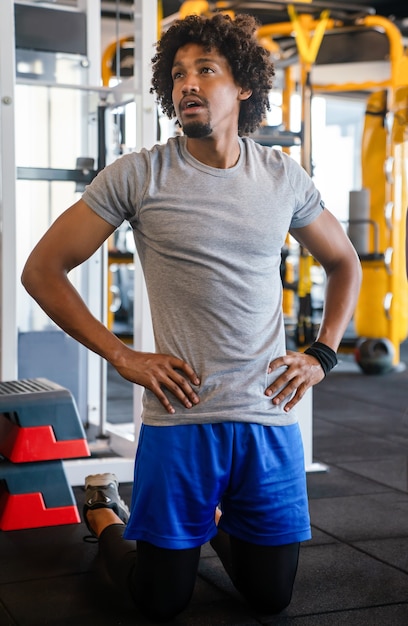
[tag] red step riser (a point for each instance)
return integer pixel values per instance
(22, 511)
(36, 443)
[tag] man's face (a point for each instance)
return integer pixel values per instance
(205, 96)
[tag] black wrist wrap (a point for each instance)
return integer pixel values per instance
(325, 355)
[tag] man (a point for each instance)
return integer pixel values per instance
(220, 456)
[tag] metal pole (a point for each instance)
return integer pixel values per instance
(306, 122)
(8, 230)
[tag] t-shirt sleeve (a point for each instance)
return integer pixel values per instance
(309, 203)
(115, 192)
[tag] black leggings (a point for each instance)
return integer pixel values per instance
(161, 581)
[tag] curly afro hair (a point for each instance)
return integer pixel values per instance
(235, 40)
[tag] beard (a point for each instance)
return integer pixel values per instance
(197, 130)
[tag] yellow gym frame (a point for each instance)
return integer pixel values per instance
(382, 308)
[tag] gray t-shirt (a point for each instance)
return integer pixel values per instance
(209, 242)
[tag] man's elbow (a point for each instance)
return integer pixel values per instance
(31, 278)
(25, 279)
(352, 275)
(347, 271)
(357, 270)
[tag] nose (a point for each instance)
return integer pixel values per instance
(190, 85)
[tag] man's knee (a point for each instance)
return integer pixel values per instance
(265, 575)
(163, 581)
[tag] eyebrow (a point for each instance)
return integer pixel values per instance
(197, 61)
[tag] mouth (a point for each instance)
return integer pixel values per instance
(190, 104)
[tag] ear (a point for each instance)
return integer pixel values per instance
(244, 94)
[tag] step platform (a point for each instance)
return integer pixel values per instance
(34, 495)
(39, 427)
(39, 421)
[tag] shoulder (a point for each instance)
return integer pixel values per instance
(156, 151)
(268, 155)
(251, 146)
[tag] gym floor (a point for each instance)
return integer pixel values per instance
(353, 572)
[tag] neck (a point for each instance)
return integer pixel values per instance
(222, 155)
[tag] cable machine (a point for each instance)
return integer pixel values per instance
(381, 316)
(54, 120)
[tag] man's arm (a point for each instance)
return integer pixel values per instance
(329, 245)
(70, 241)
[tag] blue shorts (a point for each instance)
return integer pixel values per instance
(255, 473)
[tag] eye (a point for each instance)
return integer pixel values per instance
(207, 70)
(177, 75)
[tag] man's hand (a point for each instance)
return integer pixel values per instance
(158, 371)
(302, 371)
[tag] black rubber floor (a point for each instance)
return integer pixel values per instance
(354, 572)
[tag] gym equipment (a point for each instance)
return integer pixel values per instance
(39, 421)
(359, 221)
(382, 308)
(378, 210)
(33, 495)
(374, 356)
(39, 426)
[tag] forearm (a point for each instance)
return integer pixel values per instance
(326, 241)
(342, 289)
